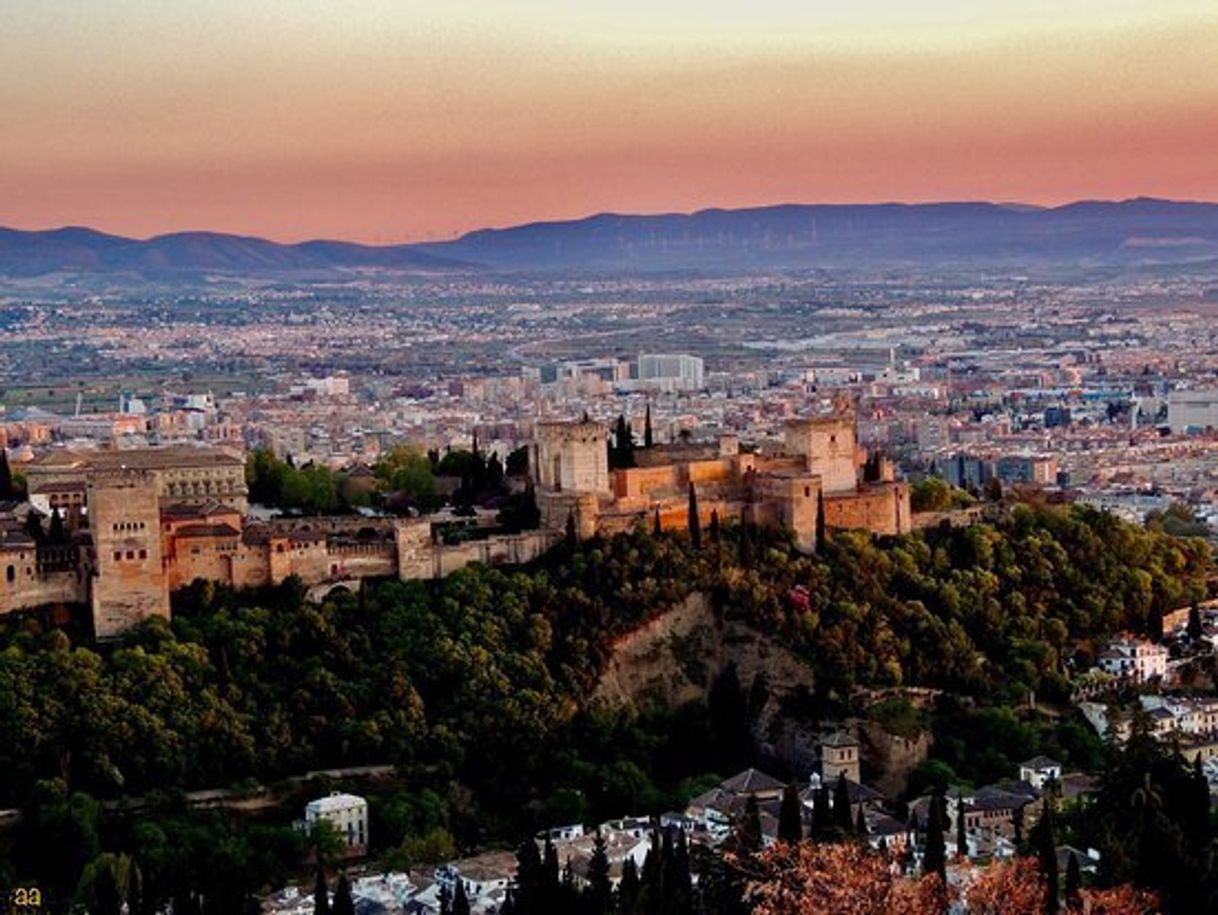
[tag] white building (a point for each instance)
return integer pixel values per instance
(1039, 771)
(347, 813)
(1192, 410)
(1135, 659)
(675, 370)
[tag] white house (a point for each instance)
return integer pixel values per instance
(1039, 771)
(347, 813)
(1133, 658)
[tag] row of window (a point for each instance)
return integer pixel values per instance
(129, 526)
(131, 554)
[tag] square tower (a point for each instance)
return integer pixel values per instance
(129, 581)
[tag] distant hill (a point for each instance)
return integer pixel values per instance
(80, 250)
(792, 236)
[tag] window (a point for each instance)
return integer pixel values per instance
(10, 574)
(130, 554)
(143, 554)
(118, 555)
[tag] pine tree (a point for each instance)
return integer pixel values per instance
(695, 524)
(321, 894)
(1074, 883)
(7, 490)
(648, 441)
(600, 887)
(790, 818)
(820, 521)
(843, 817)
(343, 903)
(460, 900)
(934, 858)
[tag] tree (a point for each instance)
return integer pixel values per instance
(822, 814)
(714, 526)
(7, 491)
(748, 830)
(571, 537)
(647, 437)
(57, 534)
(343, 903)
(961, 834)
(321, 893)
(655, 527)
(695, 523)
(790, 816)
(934, 857)
(1046, 856)
(820, 520)
(600, 887)
(628, 887)
(1074, 883)
(846, 878)
(460, 900)
(1194, 627)
(860, 824)
(843, 816)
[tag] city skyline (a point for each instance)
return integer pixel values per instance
(407, 122)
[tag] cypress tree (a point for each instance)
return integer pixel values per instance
(843, 819)
(33, 526)
(572, 539)
(790, 820)
(1074, 882)
(1046, 856)
(820, 521)
(695, 524)
(750, 826)
(714, 526)
(460, 900)
(628, 886)
(961, 834)
(446, 901)
(509, 903)
(549, 874)
(7, 490)
(600, 887)
(656, 528)
(321, 894)
(343, 903)
(528, 877)
(1194, 612)
(57, 534)
(648, 441)
(860, 824)
(822, 814)
(934, 857)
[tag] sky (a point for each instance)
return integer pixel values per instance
(386, 121)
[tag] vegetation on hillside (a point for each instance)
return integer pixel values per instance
(475, 686)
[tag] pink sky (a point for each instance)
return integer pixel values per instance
(395, 120)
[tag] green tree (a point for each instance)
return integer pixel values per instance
(934, 856)
(1074, 883)
(600, 888)
(460, 900)
(321, 893)
(8, 491)
(748, 830)
(647, 436)
(843, 814)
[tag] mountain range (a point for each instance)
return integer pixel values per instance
(789, 236)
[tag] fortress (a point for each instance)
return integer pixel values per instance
(141, 524)
(819, 467)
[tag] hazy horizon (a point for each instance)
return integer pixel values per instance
(387, 122)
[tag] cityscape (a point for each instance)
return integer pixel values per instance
(408, 541)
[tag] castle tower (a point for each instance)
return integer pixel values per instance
(839, 754)
(569, 462)
(129, 581)
(827, 444)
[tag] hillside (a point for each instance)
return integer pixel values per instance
(784, 237)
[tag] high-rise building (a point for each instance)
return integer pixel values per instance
(672, 370)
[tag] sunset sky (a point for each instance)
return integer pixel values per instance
(397, 120)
